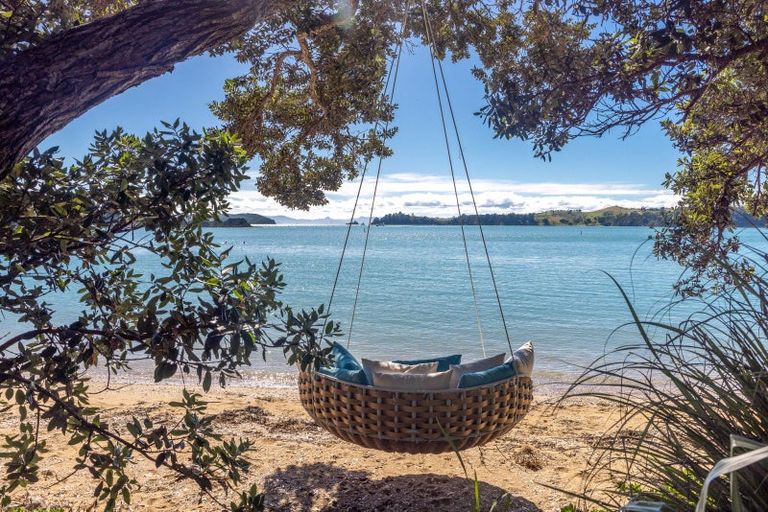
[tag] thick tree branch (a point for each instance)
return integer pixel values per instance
(46, 87)
(306, 57)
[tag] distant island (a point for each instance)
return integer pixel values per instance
(611, 216)
(239, 220)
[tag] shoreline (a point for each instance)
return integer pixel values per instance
(548, 385)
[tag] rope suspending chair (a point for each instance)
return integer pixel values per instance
(418, 421)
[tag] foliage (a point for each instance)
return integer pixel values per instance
(26, 23)
(251, 500)
(66, 229)
(683, 390)
(310, 106)
(571, 68)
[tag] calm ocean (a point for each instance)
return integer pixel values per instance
(416, 301)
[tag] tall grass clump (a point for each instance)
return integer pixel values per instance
(682, 390)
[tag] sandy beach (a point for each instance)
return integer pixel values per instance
(301, 467)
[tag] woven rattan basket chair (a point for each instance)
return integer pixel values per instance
(415, 422)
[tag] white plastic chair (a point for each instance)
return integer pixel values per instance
(756, 452)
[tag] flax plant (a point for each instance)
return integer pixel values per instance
(682, 390)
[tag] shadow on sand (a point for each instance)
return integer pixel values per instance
(324, 487)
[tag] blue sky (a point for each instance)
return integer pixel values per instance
(588, 173)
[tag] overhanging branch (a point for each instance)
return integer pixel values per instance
(46, 87)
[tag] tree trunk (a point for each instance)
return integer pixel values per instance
(46, 87)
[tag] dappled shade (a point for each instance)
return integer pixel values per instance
(330, 488)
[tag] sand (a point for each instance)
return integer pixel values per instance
(302, 467)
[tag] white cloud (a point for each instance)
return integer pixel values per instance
(434, 195)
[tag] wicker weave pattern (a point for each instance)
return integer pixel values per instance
(398, 421)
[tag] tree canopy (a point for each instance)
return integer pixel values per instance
(569, 68)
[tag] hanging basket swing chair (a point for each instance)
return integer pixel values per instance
(414, 421)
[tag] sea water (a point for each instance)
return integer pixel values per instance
(415, 296)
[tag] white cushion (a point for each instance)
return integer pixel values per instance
(522, 359)
(370, 366)
(413, 381)
(475, 366)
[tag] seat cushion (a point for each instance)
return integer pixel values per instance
(370, 366)
(343, 358)
(475, 366)
(345, 375)
(413, 381)
(519, 363)
(487, 376)
(522, 359)
(345, 367)
(443, 363)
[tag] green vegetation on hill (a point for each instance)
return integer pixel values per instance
(611, 216)
(403, 219)
(240, 220)
(253, 218)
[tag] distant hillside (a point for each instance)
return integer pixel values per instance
(507, 219)
(618, 216)
(238, 220)
(611, 216)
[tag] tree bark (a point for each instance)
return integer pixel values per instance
(44, 88)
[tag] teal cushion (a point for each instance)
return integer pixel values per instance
(344, 359)
(501, 372)
(351, 376)
(443, 363)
